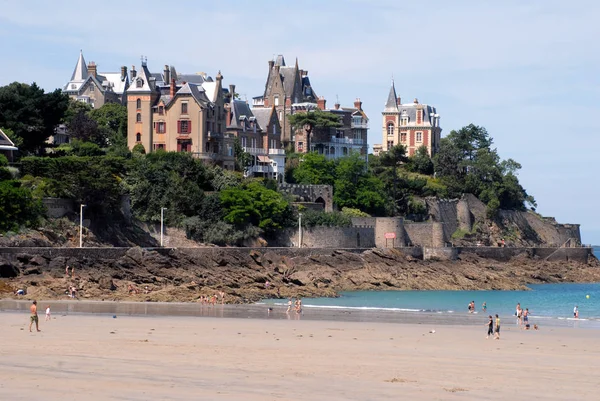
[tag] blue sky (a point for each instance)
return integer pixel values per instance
(527, 71)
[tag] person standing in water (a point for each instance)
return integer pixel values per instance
(576, 312)
(484, 308)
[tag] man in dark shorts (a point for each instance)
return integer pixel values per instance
(497, 332)
(490, 325)
(34, 316)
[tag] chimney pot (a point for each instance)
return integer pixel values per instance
(232, 91)
(133, 72)
(167, 75)
(271, 64)
(358, 104)
(123, 72)
(398, 101)
(321, 103)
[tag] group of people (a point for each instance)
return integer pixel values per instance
(522, 316)
(212, 299)
(296, 305)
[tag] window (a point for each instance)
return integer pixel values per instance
(184, 108)
(403, 137)
(276, 100)
(390, 128)
(244, 141)
(138, 118)
(300, 146)
(159, 146)
(138, 137)
(390, 145)
(419, 137)
(254, 142)
(273, 144)
(161, 127)
(185, 127)
(139, 83)
(274, 129)
(161, 110)
(73, 86)
(280, 116)
(405, 121)
(92, 88)
(138, 104)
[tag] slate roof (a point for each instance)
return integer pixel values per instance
(239, 110)
(410, 110)
(147, 80)
(391, 105)
(117, 83)
(263, 116)
(211, 90)
(80, 73)
(197, 92)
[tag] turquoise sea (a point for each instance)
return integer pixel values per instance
(551, 301)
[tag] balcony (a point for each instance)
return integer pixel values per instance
(347, 141)
(359, 125)
(263, 151)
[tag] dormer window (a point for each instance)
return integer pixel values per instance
(184, 108)
(73, 86)
(139, 83)
(404, 120)
(276, 100)
(161, 110)
(91, 88)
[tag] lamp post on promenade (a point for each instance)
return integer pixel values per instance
(299, 230)
(81, 225)
(162, 217)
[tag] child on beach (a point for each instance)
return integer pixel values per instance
(490, 325)
(484, 307)
(48, 313)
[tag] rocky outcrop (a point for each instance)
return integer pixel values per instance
(186, 274)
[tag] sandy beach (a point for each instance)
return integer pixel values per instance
(98, 357)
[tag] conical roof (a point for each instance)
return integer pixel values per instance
(81, 72)
(391, 104)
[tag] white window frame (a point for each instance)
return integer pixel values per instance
(419, 136)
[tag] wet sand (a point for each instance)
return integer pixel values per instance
(98, 357)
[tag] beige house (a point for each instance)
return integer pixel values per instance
(166, 111)
(89, 86)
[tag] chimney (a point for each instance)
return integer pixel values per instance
(123, 73)
(398, 101)
(416, 101)
(301, 73)
(277, 68)
(336, 106)
(358, 104)
(305, 73)
(232, 92)
(321, 103)
(167, 75)
(271, 64)
(133, 72)
(92, 69)
(228, 115)
(173, 88)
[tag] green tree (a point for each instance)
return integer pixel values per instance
(254, 204)
(17, 206)
(243, 159)
(314, 169)
(112, 121)
(314, 120)
(391, 160)
(174, 180)
(421, 162)
(31, 114)
(355, 187)
(84, 128)
(75, 107)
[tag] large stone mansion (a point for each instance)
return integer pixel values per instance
(410, 124)
(289, 90)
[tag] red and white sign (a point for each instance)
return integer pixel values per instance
(390, 235)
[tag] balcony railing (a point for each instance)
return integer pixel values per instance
(348, 141)
(360, 125)
(263, 151)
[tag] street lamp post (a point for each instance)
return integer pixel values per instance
(81, 225)
(299, 230)
(162, 216)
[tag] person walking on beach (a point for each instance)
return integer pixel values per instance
(518, 313)
(48, 317)
(289, 305)
(490, 326)
(34, 317)
(497, 331)
(526, 317)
